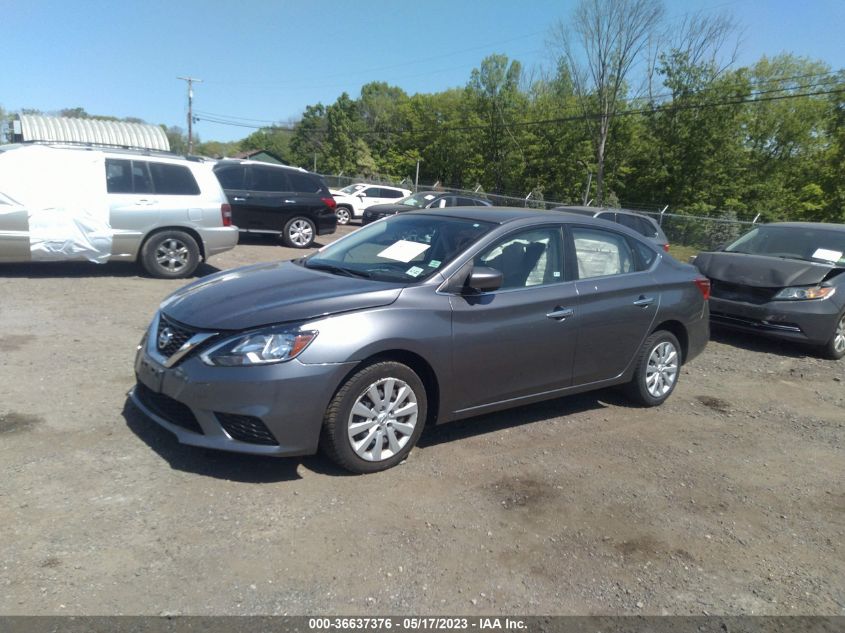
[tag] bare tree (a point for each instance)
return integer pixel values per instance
(601, 44)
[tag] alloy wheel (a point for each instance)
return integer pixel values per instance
(839, 336)
(172, 255)
(300, 232)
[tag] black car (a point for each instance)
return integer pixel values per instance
(785, 280)
(640, 223)
(286, 201)
(421, 200)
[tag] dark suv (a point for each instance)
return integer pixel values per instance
(642, 224)
(286, 201)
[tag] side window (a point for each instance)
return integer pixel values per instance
(268, 179)
(141, 181)
(118, 176)
(646, 255)
(609, 216)
(304, 183)
(647, 227)
(465, 202)
(601, 253)
(231, 177)
(529, 258)
(173, 180)
(391, 193)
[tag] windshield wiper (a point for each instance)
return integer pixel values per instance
(338, 270)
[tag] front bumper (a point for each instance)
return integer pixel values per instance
(810, 321)
(266, 410)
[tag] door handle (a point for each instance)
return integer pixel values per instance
(644, 302)
(238, 199)
(559, 314)
(290, 201)
(143, 202)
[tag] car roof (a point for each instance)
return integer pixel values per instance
(501, 215)
(244, 161)
(809, 225)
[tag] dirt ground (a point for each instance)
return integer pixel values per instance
(729, 499)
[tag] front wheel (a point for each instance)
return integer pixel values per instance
(658, 368)
(170, 255)
(299, 232)
(834, 349)
(344, 215)
(375, 418)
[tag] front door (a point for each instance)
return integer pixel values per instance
(519, 340)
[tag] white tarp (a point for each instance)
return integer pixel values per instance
(64, 192)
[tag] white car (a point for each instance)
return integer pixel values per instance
(353, 199)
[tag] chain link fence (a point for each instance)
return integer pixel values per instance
(695, 232)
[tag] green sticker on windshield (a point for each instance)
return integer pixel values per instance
(434, 263)
(414, 271)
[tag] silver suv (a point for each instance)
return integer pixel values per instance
(60, 203)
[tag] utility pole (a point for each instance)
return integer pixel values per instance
(190, 81)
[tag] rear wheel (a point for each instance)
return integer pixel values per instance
(835, 347)
(375, 418)
(658, 368)
(299, 232)
(344, 215)
(170, 255)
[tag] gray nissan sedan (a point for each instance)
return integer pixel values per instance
(419, 318)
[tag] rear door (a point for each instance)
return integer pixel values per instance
(617, 302)
(134, 208)
(270, 203)
(520, 339)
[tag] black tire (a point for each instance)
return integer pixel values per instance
(336, 439)
(344, 215)
(170, 255)
(834, 349)
(639, 389)
(299, 232)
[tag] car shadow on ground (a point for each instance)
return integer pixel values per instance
(761, 344)
(255, 469)
(266, 239)
(527, 414)
(44, 270)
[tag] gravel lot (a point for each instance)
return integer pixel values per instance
(729, 499)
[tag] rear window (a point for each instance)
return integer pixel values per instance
(231, 177)
(174, 180)
(640, 225)
(269, 179)
(304, 183)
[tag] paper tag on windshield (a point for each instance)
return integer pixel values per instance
(831, 256)
(414, 271)
(403, 251)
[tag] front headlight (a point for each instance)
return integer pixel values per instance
(798, 293)
(261, 347)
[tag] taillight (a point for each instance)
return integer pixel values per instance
(666, 247)
(226, 214)
(703, 286)
(330, 202)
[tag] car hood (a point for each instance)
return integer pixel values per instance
(760, 270)
(272, 293)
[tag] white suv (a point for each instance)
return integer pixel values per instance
(60, 203)
(353, 199)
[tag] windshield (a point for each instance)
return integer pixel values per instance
(401, 248)
(812, 244)
(417, 200)
(350, 189)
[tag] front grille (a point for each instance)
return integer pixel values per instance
(246, 428)
(736, 292)
(179, 334)
(166, 407)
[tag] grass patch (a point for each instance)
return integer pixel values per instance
(683, 253)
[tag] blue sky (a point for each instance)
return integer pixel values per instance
(265, 60)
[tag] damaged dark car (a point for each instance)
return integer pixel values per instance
(785, 280)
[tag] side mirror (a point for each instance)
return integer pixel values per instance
(484, 279)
